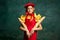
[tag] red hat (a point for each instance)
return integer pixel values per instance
(29, 4)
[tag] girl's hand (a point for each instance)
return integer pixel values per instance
(28, 34)
(32, 31)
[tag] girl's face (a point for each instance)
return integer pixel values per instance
(30, 9)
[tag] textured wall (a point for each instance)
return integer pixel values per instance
(10, 10)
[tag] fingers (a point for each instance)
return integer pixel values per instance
(20, 20)
(31, 32)
(43, 17)
(28, 34)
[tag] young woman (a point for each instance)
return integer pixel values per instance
(31, 22)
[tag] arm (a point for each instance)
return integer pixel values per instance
(39, 22)
(22, 23)
(24, 28)
(36, 25)
(38, 28)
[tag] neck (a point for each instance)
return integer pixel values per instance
(29, 13)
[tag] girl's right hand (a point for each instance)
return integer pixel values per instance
(28, 34)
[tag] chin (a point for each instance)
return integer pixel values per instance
(30, 12)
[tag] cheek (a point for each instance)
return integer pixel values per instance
(32, 10)
(28, 10)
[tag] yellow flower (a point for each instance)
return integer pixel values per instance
(23, 18)
(37, 17)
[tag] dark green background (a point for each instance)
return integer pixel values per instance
(10, 10)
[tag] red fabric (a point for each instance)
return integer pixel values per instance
(30, 24)
(29, 4)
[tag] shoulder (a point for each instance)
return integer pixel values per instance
(22, 17)
(37, 17)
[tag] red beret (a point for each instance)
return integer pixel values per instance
(29, 4)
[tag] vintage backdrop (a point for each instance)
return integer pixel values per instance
(10, 10)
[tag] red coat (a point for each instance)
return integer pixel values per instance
(30, 22)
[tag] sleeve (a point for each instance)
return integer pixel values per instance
(37, 17)
(22, 17)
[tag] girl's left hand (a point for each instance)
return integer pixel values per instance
(32, 31)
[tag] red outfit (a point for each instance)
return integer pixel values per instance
(30, 24)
